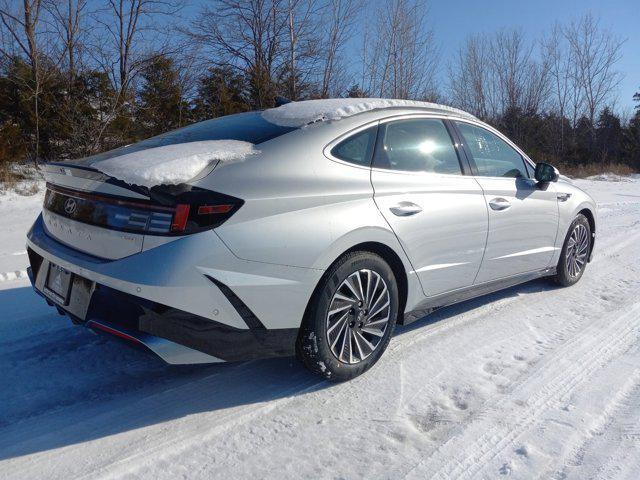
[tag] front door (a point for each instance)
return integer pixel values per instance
(437, 213)
(523, 216)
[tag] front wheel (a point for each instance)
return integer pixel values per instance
(575, 252)
(351, 317)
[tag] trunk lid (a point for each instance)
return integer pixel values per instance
(86, 210)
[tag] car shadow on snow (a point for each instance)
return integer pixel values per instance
(62, 385)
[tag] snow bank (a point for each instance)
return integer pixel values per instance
(298, 114)
(172, 164)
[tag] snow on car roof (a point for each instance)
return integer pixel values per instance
(298, 114)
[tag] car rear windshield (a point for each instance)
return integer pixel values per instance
(247, 127)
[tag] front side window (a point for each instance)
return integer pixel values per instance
(417, 145)
(493, 156)
(358, 148)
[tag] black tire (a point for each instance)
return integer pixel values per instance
(564, 276)
(313, 348)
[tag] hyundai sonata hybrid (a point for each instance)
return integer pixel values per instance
(311, 229)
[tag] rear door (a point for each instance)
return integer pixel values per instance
(523, 218)
(438, 213)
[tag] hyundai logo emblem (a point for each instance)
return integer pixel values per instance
(70, 206)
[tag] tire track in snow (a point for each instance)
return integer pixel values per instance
(491, 433)
(622, 404)
(619, 465)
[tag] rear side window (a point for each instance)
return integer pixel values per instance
(420, 145)
(493, 156)
(358, 148)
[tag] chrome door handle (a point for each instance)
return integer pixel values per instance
(404, 209)
(499, 203)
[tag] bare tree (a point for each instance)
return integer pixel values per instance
(595, 52)
(494, 74)
(469, 77)
(404, 58)
(339, 16)
(566, 97)
(20, 22)
(121, 45)
(521, 81)
(301, 44)
(126, 38)
(67, 18)
(246, 35)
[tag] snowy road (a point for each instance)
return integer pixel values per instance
(532, 382)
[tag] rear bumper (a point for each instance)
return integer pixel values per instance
(144, 297)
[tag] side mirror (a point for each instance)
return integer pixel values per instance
(546, 173)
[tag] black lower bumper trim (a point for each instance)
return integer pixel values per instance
(219, 340)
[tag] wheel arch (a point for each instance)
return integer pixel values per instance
(388, 255)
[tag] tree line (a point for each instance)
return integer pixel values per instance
(81, 76)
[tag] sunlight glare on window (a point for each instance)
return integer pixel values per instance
(427, 147)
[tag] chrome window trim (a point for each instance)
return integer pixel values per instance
(455, 118)
(406, 116)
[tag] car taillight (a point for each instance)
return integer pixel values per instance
(180, 217)
(187, 212)
(189, 217)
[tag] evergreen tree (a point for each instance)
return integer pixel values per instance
(220, 92)
(631, 141)
(608, 137)
(582, 152)
(161, 105)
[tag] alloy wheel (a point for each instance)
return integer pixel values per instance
(577, 250)
(358, 316)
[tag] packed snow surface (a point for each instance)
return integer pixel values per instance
(298, 114)
(172, 164)
(535, 381)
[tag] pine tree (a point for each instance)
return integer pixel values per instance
(221, 92)
(161, 105)
(608, 137)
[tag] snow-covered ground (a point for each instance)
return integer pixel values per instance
(532, 382)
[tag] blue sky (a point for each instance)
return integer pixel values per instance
(453, 20)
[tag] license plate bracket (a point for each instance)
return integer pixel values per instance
(58, 283)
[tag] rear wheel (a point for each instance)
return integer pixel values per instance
(351, 317)
(575, 252)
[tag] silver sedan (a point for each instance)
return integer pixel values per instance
(311, 229)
